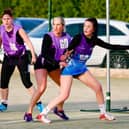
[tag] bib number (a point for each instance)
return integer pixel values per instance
(83, 57)
(64, 43)
(13, 47)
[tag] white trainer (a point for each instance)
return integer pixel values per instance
(106, 117)
(43, 119)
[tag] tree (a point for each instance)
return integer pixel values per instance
(68, 8)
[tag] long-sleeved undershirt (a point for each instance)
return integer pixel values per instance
(47, 52)
(95, 41)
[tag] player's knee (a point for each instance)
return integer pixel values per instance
(4, 85)
(28, 84)
(98, 89)
(41, 90)
(26, 80)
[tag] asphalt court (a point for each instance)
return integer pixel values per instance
(79, 120)
(81, 98)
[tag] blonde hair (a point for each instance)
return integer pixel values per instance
(61, 19)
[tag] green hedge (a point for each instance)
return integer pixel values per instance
(119, 9)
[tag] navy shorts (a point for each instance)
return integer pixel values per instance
(43, 64)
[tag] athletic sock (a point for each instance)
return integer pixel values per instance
(38, 102)
(4, 104)
(3, 101)
(45, 111)
(102, 108)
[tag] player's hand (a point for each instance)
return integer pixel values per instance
(62, 64)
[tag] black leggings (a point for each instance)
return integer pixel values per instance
(8, 66)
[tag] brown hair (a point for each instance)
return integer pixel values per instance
(8, 12)
(95, 25)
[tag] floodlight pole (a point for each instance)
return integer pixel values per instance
(108, 94)
(49, 13)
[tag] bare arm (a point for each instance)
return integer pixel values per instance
(29, 44)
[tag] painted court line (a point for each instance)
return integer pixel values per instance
(11, 122)
(74, 116)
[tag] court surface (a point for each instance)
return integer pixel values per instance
(81, 98)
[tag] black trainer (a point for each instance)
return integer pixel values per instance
(61, 114)
(28, 117)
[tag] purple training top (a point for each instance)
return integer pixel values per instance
(60, 44)
(10, 45)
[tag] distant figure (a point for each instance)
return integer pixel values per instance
(12, 37)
